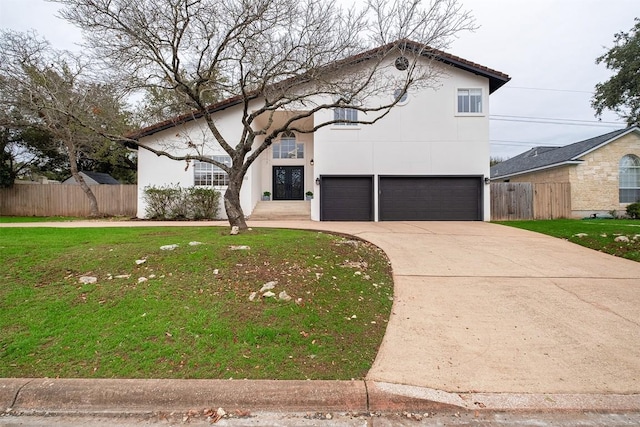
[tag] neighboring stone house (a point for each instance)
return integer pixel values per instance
(604, 172)
(428, 159)
(94, 178)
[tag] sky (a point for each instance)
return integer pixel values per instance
(547, 47)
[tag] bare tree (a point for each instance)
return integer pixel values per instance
(302, 57)
(53, 91)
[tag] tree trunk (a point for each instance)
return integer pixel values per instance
(73, 165)
(232, 203)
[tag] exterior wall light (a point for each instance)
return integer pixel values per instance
(311, 162)
(317, 181)
(487, 180)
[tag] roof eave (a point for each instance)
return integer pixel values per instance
(634, 128)
(524, 172)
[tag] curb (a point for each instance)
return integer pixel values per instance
(132, 397)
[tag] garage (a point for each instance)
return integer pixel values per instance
(430, 198)
(346, 198)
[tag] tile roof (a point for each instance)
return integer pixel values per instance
(547, 157)
(496, 80)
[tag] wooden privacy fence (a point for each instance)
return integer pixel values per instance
(526, 200)
(67, 200)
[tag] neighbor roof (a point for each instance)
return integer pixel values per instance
(101, 178)
(539, 158)
(496, 80)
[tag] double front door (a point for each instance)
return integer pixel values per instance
(288, 183)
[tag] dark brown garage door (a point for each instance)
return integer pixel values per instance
(430, 198)
(346, 198)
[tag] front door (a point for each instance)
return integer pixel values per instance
(288, 183)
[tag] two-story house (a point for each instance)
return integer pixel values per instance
(428, 159)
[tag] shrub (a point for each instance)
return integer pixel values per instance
(633, 210)
(175, 202)
(203, 203)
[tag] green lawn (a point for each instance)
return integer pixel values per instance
(8, 219)
(600, 233)
(191, 317)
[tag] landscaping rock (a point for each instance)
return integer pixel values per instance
(283, 296)
(268, 286)
(142, 279)
(580, 235)
(621, 239)
(268, 294)
(87, 280)
(234, 230)
(168, 247)
(239, 248)
(122, 276)
(253, 296)
(140, 261)
(348, 242)
(194, 243)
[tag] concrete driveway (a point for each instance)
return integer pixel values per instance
(487, 308)
(482, 307)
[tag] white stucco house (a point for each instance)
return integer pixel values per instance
(428, 159)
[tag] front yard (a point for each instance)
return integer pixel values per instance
(619, 237)
(123, 302)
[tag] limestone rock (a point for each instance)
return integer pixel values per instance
(268, 286)
(283, 296)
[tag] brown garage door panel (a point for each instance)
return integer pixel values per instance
(430, 199)
(346, 198)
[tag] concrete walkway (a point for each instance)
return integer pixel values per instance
(488, 311)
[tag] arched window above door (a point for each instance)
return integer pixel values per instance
(287, 147)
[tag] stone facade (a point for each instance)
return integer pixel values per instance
(560, 174)
(594, 183)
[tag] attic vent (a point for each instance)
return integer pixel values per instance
(402, 63)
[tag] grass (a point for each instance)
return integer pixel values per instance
(10, 219)
(191, 317)
(600, 233)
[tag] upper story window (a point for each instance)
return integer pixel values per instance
(287, 147)
(207, 174)
(345, 116)
(629, 182)
(470, 101)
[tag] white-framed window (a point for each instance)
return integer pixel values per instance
(208, 174)
(470, 101)
(343, 116)
(287, 147)
(629, 182)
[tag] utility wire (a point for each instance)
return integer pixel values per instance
(556, 122)
(553, 119)
(547, 89)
